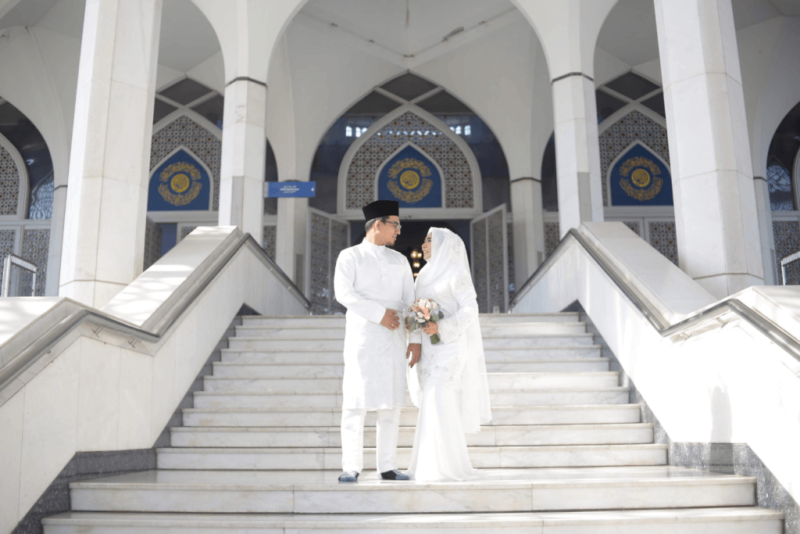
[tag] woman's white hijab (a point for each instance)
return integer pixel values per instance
(449, 264)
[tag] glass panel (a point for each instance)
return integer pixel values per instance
(41, 204)
(632, 85)
(781, 196)
(656, 103)
(212, 109)
(409, 86)
(373, 104)
(161, 110)
(185, 91)
(607, 105)
(783, 151)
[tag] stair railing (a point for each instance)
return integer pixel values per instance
(16, 360)
(786, 261)
(761, 323)
(14, 268)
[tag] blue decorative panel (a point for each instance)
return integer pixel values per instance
(619, 136)
(411, 179)
(640, 179)
(179, 184)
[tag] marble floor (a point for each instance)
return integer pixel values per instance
(567, 453)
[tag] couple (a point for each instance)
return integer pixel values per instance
(447, 380)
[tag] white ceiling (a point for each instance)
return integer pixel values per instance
(629, 32)
(406, 27)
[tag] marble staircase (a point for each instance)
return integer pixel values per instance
(565, 452)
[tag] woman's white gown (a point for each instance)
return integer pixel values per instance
(452, 394)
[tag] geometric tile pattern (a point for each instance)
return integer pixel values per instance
(319, 283)
(185, 132)
(35, 248)
(270, 240)
(619, 136)
(9, 184)
(7, 238)
(479, 255)
(497, 262)
(787, 241)
(552, 237)
(458, 191)
(152, 243)
(664, 239)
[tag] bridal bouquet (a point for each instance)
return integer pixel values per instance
(421, 313)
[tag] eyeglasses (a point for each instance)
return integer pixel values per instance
(396, 224)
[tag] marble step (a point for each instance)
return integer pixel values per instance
(328, 321)
(316, 492)
(232, 431)
(501, 415)
(301, 331)
(255, 369)
(499, 381)
(331, 357)
(489, 343)
(742, 520)
(573, 456)
(540, 397)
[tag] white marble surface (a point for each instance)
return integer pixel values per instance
(500, 490)
(736, 386)
(706, 521)
(18, 313)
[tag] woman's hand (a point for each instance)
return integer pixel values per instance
(431, 329)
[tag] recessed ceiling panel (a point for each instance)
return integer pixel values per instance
(185, 91)
(187, 37)
(373, 104)
(212, 109)
(607, 105)
(656, 103)
(161, 110)
(632, 85)
(409, 86)
(443, 103)
(629, 32)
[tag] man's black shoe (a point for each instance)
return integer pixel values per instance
(394, 474)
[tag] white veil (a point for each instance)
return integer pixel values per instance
(449, 263)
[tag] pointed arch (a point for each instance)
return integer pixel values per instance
(462, 177)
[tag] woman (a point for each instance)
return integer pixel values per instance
(449, 384)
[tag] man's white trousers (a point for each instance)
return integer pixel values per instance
(386, 439)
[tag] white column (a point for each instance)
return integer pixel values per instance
(56, 239)
(764, 208)
(104, 226)
(715, 207)
(290, 246)
(526, 206)
(244, 145)
(580, 191)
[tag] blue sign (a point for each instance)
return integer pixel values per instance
(179, 184)
(411, 179)
(291, 189)
(640, 179)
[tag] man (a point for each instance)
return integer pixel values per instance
(376, 286)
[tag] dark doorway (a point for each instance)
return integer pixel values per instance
(413, 234)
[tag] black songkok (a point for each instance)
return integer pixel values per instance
(381, 208)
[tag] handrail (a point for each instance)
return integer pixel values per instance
(13, 259)
(786, 261)
(764, 325)
(44, 343)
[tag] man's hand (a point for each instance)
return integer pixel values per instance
(390, 320)
(415, 351)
